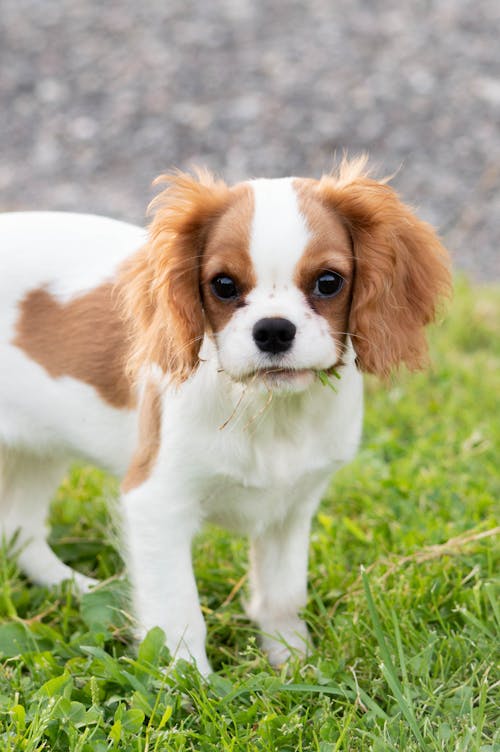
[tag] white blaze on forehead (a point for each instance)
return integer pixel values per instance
(279, 232)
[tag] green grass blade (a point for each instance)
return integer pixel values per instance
(388, 668)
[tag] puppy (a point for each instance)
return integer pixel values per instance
(191, 362)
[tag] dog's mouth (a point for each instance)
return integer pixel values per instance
(294, 378)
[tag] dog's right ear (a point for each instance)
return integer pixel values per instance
(159, 287)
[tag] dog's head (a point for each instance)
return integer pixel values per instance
(279, 273)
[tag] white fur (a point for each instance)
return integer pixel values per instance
(279, 231)
(227, 454)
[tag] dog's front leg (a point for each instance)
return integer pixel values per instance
(159, 525)
(278, 585)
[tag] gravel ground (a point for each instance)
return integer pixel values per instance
(97, 98)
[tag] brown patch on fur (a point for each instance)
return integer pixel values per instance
(330, 249)
(228, 252)
(84, 338)
(401, 269)
(159, 286)
(148, 443)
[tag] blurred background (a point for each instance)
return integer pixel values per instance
(97, 98)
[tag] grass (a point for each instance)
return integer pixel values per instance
(403, 604)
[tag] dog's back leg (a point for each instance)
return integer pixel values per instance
(27, 484)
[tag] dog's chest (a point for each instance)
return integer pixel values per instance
(249, 509)
(256, 486)
(255, 476)
(250, 463)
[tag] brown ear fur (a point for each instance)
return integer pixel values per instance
(401, 270)
(159, 286)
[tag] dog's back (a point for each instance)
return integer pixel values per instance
(61, 338)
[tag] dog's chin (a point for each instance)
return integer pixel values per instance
(279, 379)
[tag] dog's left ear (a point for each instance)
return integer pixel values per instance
(160, 287)
(401, 270)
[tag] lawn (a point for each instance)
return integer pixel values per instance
(403, 603)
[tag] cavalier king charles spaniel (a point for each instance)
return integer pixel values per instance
(191, 360)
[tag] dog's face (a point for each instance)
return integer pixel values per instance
(276, 276)
(279, 273)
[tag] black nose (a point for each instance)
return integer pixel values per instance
(274, 335)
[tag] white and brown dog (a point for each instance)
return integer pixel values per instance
(186, 361)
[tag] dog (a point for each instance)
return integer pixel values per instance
(194, 361)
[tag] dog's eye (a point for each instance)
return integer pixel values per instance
(328, 285)
(224, 287)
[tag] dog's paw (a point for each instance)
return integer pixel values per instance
(285, 641)
(200, 662)
(83, 584)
